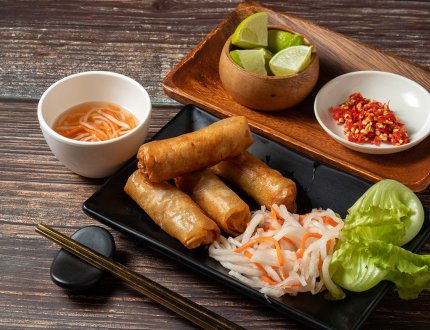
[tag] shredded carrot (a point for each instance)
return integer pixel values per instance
(280, 221)
(328, 246)
(109, 112)
(329, 220)
(72, 131)
(293, 283)
(305, 237)
(268, 280)
(287, 260)
(301, 217)
(102, 121)
(262, 239)
(270, 227)
(255, 241)
(113, 106)
(95, 133)
(286, 239)
(275, 215)
(320, 263)
(131, 122)
(248, 254)
(259, 266)
(283, 277)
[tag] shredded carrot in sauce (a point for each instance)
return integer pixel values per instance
(95, 121)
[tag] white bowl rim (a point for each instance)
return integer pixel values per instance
(384, 148)
(66, 140)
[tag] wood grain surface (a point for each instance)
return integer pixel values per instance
(196, 80)
(43, 41)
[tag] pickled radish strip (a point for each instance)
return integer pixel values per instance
(95, 121)
(281, 252)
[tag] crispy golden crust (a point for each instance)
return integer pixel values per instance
(264, 184)
(166, 159)
(218, 201)
(172, 210)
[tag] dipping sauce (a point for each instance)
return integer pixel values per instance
(95, 121)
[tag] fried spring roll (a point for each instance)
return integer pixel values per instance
(219, 202)
(167, 159)
(172, 210)
(264, 184)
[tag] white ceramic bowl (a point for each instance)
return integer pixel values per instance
(94, 159)
(409, 101)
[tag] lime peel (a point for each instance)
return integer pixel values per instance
(252, 31)
(280, 39)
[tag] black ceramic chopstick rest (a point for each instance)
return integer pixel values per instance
(72, 273)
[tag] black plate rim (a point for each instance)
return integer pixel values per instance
(224, 279)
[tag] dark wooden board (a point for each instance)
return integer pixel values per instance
(196, 80)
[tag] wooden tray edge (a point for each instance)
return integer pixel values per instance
(179, 95)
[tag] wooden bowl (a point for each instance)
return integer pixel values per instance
(267, 93)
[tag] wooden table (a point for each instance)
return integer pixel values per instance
(42, 41)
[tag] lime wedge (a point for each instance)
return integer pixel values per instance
(278, 40)
(251, 32)
(235, 56)
(251, 60)
(290, 60)
(267, 57)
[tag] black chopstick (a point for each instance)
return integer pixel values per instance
(169, 299)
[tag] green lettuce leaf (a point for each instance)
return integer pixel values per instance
(388, 211)
(387, 216)
(358, 265)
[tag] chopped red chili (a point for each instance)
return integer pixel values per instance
(369, 121)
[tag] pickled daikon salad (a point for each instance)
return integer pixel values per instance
(284, 253)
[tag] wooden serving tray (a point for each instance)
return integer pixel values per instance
(196, 80)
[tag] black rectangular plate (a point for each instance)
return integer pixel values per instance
(318, 185)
